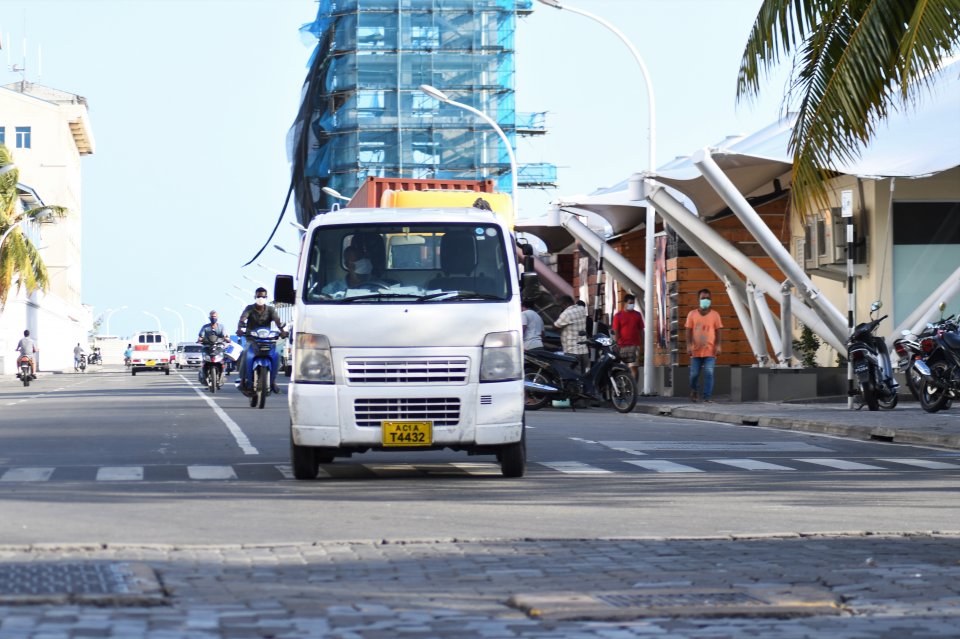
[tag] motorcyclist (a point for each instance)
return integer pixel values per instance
(27, 347)
(128, 355)
(211, 333)
(255, 316)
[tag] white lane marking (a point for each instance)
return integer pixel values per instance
(286, 470)
(575, 468)
(840, 464)
(211, 472)
(120, 473)
(764, 447)
(662, 466)
(923, 463)
(390, 470)
(242, 440)
(477, 468)
(27, 474)
(750, 464)
(578, 439)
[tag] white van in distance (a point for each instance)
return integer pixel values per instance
(408, 337)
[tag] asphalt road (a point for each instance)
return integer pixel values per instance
(112, 458)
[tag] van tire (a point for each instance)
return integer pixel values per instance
(304, 461)
(513, 457)
(133, 371)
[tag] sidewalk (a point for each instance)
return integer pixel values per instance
(905, 424)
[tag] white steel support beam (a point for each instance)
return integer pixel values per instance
(619, 267)
(786, 322)
(769, 324)
(726, 189)
(743, 314)
(677, 215)
(757, 322)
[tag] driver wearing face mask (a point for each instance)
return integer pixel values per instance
(255, 316)
(209, 335)
(358, 273)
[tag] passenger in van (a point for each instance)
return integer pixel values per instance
(358, 272)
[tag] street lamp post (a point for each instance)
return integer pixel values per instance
(250, 279)
(239, 299)
(23, 220)
(283, 250)
(109, 313)
(437, 94)
(651, 217)
(183, 329)
(197, 308)
(159, 325)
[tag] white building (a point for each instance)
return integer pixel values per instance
(48, 131)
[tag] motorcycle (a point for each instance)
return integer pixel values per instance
(95, 358)
(213, 366)
(25, 375)
(261, 368)
(82, 364)
(871, 364)
(940, 366)
(549, 376)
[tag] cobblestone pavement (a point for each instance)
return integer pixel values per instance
(888, 586)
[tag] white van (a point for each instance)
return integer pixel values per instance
(408, 337)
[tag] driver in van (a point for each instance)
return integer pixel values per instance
(256, 316)
(358, 272)
(210, 334)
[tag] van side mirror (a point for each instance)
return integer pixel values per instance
(283, 290)
(527, 251)
(529, 286)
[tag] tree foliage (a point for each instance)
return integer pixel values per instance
(19, 258)
(854, 61)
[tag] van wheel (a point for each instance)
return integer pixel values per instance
(513, 457)
(166, 371)
(133, 371)
(304, 460)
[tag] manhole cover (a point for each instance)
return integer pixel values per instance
(106, 583)
(679, 602)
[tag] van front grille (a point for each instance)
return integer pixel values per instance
(442, 411)
(407, 370)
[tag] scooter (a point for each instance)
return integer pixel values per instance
(95, 358)
(940, 366)
(261, 366)
(212, 371)
(25, 375)
(871, 364)
(82, 364)
(549, 376)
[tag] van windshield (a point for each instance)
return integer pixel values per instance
(428, 263)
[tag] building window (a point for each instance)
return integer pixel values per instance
(23, 137)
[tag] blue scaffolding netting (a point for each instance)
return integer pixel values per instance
(363, 114)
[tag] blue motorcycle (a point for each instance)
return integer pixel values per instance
(261, 356)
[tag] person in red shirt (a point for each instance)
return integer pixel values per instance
(703, 345)
(628, 331)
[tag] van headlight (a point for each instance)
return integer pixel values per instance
(502, 357)
(313, 359)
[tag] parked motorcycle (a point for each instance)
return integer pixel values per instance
(264, 350)
(95, 357)
(940, 366)
(871, 364)
(213, 370)
(25, 375)
(82, 364)
(549, 376)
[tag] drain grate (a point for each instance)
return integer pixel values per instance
(667, 599)
(111, 583)
(788, 601)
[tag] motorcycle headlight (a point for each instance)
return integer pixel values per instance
(314, 359)
(502, 357)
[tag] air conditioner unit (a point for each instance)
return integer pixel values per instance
(825, 239)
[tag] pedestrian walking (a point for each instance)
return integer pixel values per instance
(532, 327)
(703, 345)
(77, 352)
(572, 322)
(628, 331)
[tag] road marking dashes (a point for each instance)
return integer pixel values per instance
(211, 472)
(923, 463)
(750, 464)
(662, 466)
(120, 473)
(575, 468)
(27, 474)
(839, 464)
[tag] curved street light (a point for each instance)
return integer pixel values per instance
(334, 193)
(42, 215)
(437, 94)
(651, 217)
(109, 313)
(159, 325)
(197, 308)
(242, 301)
(283, 250)
(183, 328)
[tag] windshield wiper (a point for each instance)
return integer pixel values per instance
(457, 295)
(373, 296)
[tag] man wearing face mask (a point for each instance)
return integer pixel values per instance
(255, 316)
(209, 335)
(628, 331)
(703, 345)
(358, 272)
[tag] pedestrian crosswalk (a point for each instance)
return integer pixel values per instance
(350, 469)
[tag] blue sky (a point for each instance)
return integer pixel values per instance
(191, 101)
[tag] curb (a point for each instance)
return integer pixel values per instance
(819, 427)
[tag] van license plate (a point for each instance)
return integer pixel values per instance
(407, 433)
(151, 362)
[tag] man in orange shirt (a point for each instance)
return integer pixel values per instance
(703, 345)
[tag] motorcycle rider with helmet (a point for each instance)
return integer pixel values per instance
(27, 347)
(210, 333)
(256, 316)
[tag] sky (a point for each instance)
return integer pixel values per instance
(191, 101)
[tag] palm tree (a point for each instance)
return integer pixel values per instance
(853, 62)
(18, 256)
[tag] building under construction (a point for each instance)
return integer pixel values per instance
(363, 114)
